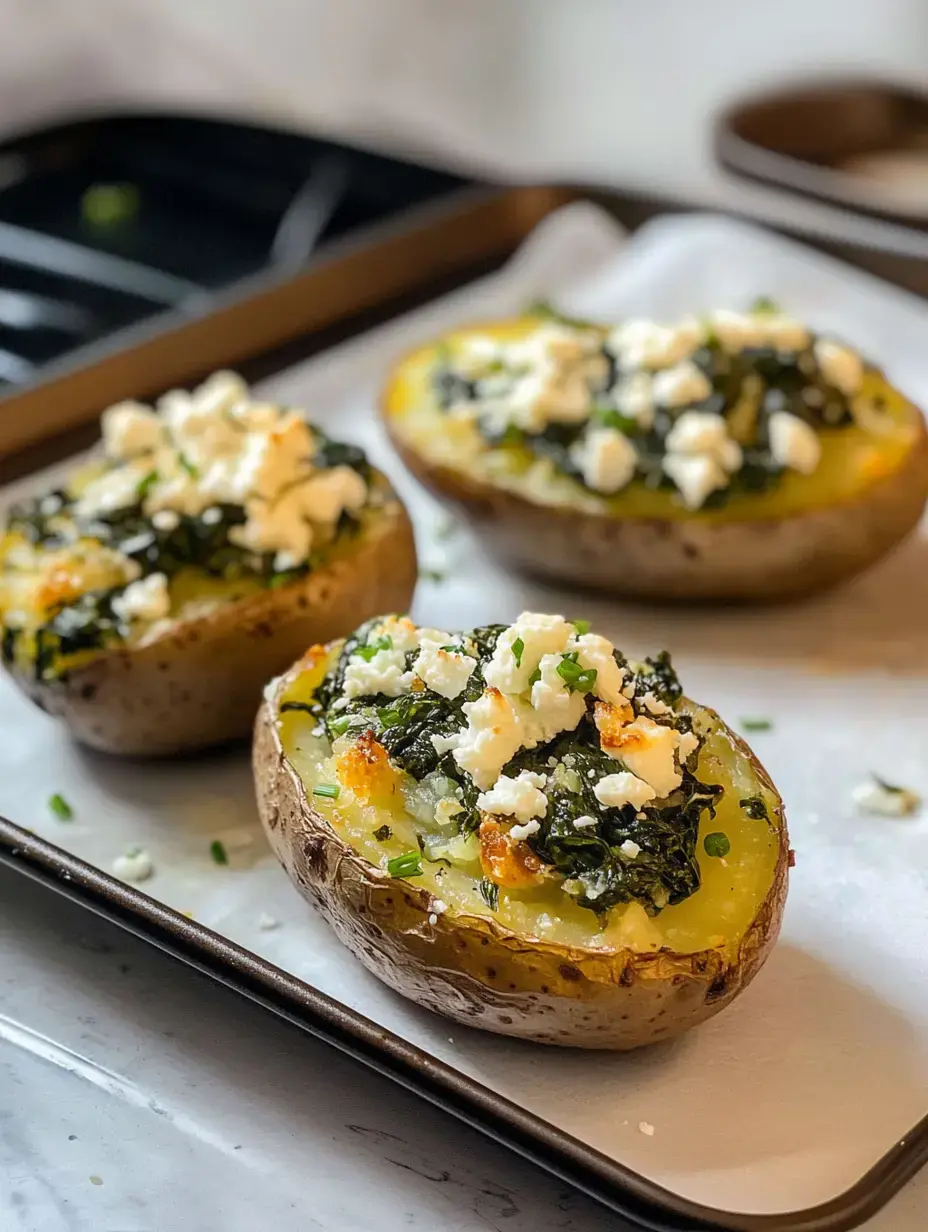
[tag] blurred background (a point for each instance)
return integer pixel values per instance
(811, 115)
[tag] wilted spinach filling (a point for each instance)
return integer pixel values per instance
(89, 623)
(747, 388)
(664, 872)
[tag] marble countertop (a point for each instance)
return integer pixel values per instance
(138, 1096)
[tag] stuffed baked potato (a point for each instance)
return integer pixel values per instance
(735, 457)
(519, 829)
(149, 600)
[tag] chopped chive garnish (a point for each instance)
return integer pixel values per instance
(535, 677)
(146, 483)
(756, 724)
(186, 465)
(407, 865)
(339, 726)
(582, 626)
(59, 806)
(105, 204)
(329, 790)
(451, 649)
(218, 852)
(433, 575)
(518, 646)
(489, 892)
(578, 679)
(382, 833)
(764, 304)
(890, 787)
(717, 845)
(609, 417)
(379, 643)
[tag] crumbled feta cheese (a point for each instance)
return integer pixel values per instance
(494, 734)
(147, 599)
(135, 864)
(794, 443)
(654, 705)
(444, 744)
(687, 744)
(875, 796)
(540, 635)
(438, 906)
(738, 331)
(606, 459)
(212, 516)
(330, 493)
(267, 923)
(384, 673)
(696, 477)
(555, 708)
(648, 749)
(433, 919)
(840, 366)
(702, 432)
(165, 519)
(404, 633)
(130, 429)
(519, 833)
(617, 790)
(633, 396)
(681, 386)
(700, 455)
(630, 849)
(594, 651)
(646, 344)
(443, 671)
(582, 823)
(519, 797)
(553, 367)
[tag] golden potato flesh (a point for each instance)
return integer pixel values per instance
(535, 965)
(805, 532)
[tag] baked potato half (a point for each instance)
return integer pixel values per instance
(147, 602)
(518, 829)
(735, 458)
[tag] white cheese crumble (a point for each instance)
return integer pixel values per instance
(267, 923)
(630, 849)
(135, 864)
(519, 797)
(681, 386)
(617, 790)
(793, 443)
(881, 798)
(648, 344)
(493, 736)
(540, 635)
(700, 456)
(217, 446)
(384, 673)
(594, 651)
(519, 833)
(649, 750)
(840, 366)
(654, 705)
(584, 822)
(148, 599)
(606, 459)
(633, 396)
(444, 671)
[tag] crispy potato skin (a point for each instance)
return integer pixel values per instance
(476, 972)
(200, 683)
(687, 559)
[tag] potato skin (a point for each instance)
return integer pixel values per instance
(200, 683)
(687, 559)
(474, 971)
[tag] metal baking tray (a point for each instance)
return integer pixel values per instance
(511, 216)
